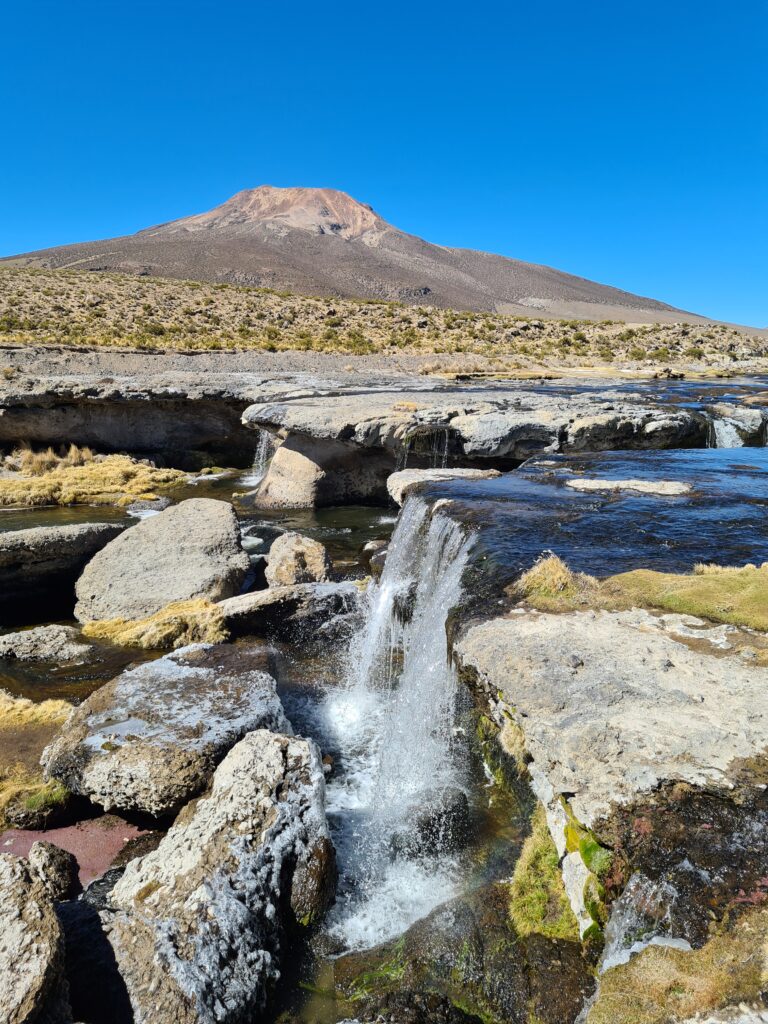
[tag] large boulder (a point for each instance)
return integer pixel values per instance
(32, 985)
(150, 740)
(646, 744)
(39, 566)
(290, 612)
(188, 551)
(199, 923)
(294, 558)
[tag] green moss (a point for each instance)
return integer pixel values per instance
(538, 902)
(380, 976)
(51, 794)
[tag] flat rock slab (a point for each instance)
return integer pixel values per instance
(32, 985)
(150, 740)
(45, 643)
(401, 482)
(611, 706)
(94, 843)
(670, 487)
(283, 610)
(198, 932)
(191, 550)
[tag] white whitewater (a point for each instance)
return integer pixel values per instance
(393, 725)
(726, 435)
(261, 459)
(640, 917)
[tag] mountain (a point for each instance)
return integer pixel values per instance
(318, 241)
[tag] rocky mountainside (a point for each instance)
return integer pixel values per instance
(323, 242)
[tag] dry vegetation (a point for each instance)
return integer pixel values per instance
(176, 625)
(82, 308)
(737, 595)
(76, 476)
(25, 729)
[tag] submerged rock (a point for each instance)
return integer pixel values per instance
(42, 564)
(400, 483)
(45, 643)
(199, 925)
(296, 559)
(32, 984)
(669, 487)
(149, 740)
(191, 550)
(643, 750)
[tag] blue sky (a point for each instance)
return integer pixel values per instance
(627, 143)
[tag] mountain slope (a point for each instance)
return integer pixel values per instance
(323, 242)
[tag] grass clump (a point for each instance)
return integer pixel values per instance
(79, 477)
(538, 902)
(551, 586)
(662, 984)
(176, 625)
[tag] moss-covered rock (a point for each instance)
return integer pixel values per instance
(178, 624)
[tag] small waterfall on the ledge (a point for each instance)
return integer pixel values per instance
(261, 457)
(641, 917)
(723, 434)
(393, 724)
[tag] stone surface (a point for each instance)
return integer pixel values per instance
(56, 868)
(670, 487)
(190, 550)
(41, 564)
(398, 484)
(32, 985)
(294, 559)
(45, 643)
(150, 739)
(635, 740)
(199, 926)
(288, 611)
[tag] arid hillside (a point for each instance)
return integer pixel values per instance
(83, 309)
(323, 242)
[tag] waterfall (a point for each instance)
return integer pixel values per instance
(725, 435)
(641, 917)
(392, 723)
(261, 458)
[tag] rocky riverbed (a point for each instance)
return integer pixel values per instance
(429, 702)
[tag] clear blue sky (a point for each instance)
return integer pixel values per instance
(624, 142)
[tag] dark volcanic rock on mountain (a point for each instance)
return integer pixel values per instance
(319, 241)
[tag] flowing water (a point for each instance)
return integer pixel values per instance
(726, 435)
(265, 449)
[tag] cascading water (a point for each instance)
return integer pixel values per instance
(724, 434)
(641, 917)
(392, 724)
(261, 458)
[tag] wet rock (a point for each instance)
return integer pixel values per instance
(398, 484)
(192, 550)
(749, 423)
(32, 985)
(41, 565)
(668, 487)
(199, 925)
(644, 751)
(289, 612)
(153, 505)
(442, 824)
(56, 868)
(296, 559)
(45, 643)
(467, 955)
(149, 740)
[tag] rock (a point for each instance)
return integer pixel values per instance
(750, 423)
(39, 566)
(32, 985)
(670, 487)
(150, 740)
(289, 612)
(440, 824)
(643, 745)
(312, 473)
(296, 559)
(56, 868)
(374, 555)
(45, 643)
(144, 506)
(467, 956)
(198, 929)
(191, 550)
(398, 484)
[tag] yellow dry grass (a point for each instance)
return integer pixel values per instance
(737, 595)
(663, 984)
(176, 625)
(107, 480)
(25, 729)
